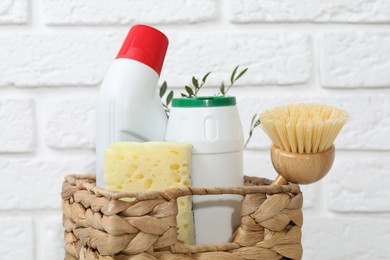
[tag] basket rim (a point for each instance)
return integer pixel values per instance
(253, 185)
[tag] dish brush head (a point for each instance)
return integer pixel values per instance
(303, 128)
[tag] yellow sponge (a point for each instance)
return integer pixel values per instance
(132, 166)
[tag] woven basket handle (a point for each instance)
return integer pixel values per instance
(88, 182)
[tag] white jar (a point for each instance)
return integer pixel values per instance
(128, 104)
(212, 125)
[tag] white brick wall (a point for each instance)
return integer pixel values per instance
(274, 58)
(17, 125)
(34, 183)
(16, 238)
(99, 12)
(14, 11)
(56, 58)
(323, 11)
(70, 123)
(353, 59)
(54, 54)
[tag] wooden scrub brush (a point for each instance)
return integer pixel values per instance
(302, 134)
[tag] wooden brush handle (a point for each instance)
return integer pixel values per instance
(279, 181)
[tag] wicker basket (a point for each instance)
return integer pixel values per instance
(100, 225)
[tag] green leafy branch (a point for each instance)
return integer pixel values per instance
(168, 98)
(196, 86)
(192, 92)
(223, 89)
(254, 123)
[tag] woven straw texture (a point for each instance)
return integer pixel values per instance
(100, 224)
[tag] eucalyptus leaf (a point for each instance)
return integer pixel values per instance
(253, 119)
(205, 77)
(241, 73)
(233, 74)
(254, 123)
(195, 82)
(189, 91)
(163, 89)
(222, 88)
(184, 95)
(169, 98)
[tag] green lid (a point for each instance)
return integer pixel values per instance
(206, 101)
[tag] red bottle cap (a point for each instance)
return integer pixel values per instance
(145, 44)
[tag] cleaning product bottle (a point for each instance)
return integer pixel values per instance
(128, 104)
(212, 125)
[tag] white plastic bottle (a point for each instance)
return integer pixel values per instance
(212, 125)
(128, 104)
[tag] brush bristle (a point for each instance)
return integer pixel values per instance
(303, 128)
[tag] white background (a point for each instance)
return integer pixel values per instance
(54, 54)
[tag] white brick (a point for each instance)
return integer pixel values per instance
(356, 183)
(356, 60)
(358, 238)
(272, 58)
(16, 238)
(17, 125)
(364, 11)
(70, 123)
(311, 196)
(13, 11)
(73, 59)
(51, 235)
(36, 184)
(258, 163)
(56, 59)
(367, 128)
(129, 11)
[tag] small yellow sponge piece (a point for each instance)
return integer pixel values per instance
(132, 166)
